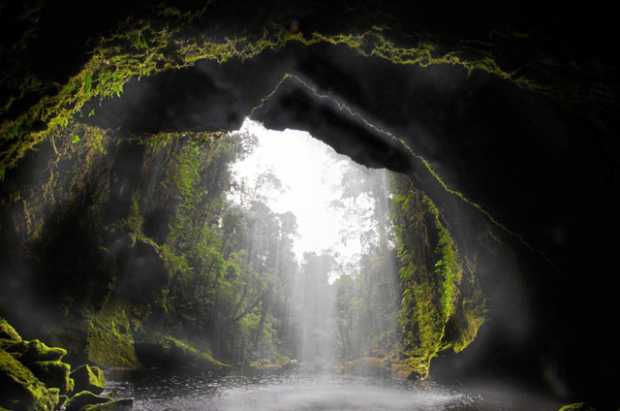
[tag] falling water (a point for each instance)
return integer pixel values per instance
(316, 315)
(342, 212)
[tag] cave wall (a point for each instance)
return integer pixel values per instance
(95, 233)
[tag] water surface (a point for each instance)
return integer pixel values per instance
(299, 392)
(154, 392)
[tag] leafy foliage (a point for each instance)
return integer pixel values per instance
(433, 295)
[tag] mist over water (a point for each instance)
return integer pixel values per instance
(331, 395)
(292, 392)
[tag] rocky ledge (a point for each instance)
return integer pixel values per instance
(33, 377)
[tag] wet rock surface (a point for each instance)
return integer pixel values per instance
(89, 378)
(33, 377)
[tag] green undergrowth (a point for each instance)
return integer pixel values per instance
(190, 183)
(439, 310)
(187, 157)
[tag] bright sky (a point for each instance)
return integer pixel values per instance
(311, 173)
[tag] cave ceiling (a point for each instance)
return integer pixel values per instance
(379, 82)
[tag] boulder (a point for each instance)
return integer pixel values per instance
(89, 378)
(110, 341)
(21, 390)
(54, 374)
(29, 352)
(167, 352)
(83, 399)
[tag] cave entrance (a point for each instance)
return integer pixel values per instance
(178, 258)
(318, 233)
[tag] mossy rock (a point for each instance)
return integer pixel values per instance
(21, 390)
(54, 374)
(89, 378)
(29, 352)
(110, 342)
(125, 404)
(168, 352)
(83, 399)
(7, 332)
(577, 406)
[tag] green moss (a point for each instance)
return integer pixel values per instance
(7, 332)
(109, 341)
(21, 390)
(185, 180)
(95, 139)
(84, 398)
(576, 406)
(29, 352)
(70, 169)
(470, 316)
(447, 266)
(438, 309)
(160, 141)
(89, 378)
(187, 354)
(135, 220)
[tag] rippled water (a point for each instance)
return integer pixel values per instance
(283, 393)
(156, 392)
